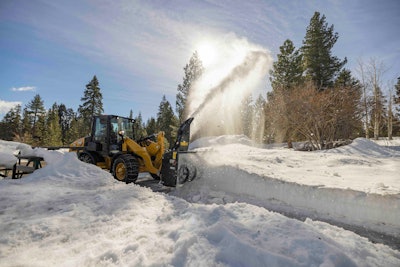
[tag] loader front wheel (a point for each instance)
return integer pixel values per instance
(126, 168)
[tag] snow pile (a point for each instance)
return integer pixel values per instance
(394, 143)
(8, 150)
(7, 160)
(73, 214)
(365, 147)
(12, 147)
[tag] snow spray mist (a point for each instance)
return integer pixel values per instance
(217, 109)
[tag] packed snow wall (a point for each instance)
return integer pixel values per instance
(379, 213)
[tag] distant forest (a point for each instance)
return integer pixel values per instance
(314, 98)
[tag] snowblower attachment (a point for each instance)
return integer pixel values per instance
(172, 173)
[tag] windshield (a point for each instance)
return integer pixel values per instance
(122, 124)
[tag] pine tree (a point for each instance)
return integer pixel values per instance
(320, 66)
(39, 139)
(167, 121)
(65, 115)
(26, 136)
(247, 115)
(151, 126)
(74, 132)
(3, 130)
(287, 71)
(11, 124)
(286, 74)
(53, 133)
(258, 119)
(345, 79)
(35, 110)
(396, 98)
(140, 130)
(193, 70)
(92, 104)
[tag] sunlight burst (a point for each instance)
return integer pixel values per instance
(207, 53)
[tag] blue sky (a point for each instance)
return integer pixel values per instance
(137, 49)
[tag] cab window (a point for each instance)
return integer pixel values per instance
(101, 129)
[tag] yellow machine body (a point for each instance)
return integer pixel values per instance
(111, 146)
(109, 140)
(149, 153)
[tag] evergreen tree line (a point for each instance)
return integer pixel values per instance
(60, 126)
(313, 98)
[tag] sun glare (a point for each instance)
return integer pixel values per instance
(207, 53)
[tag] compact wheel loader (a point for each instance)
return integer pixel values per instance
(111, 146)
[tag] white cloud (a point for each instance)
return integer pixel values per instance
(5, 106)
(23, 88)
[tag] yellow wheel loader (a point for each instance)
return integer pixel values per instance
(111, 146)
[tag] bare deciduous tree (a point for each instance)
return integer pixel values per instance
(390, 116)
(375, 71)
(365, 95)
(319, 117)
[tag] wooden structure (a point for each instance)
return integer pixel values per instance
(24, 165)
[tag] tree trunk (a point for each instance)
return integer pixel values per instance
(366, 124)
(376, 113)
(390, 117)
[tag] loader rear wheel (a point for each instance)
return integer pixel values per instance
(126, 168)
(87, 158)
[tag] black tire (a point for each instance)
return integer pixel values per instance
(186, 174)
(155, 176)
(183, 174)
(168, 171)
(87, 157)
(126, 168)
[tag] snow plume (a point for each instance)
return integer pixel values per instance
(215, 100)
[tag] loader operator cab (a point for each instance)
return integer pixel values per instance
(108, 132)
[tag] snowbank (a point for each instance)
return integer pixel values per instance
(356, 185)
(383, 141)
(8, 152)
(12, 147)
(226, 184)
(361, 166)
(366, 148)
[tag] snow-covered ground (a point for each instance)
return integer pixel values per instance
(363, 165)
(73, 214)
(356, 186)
